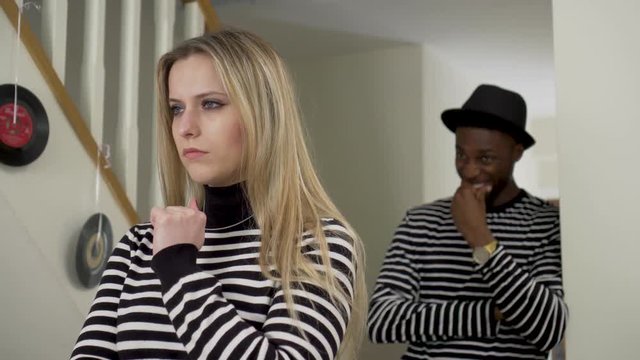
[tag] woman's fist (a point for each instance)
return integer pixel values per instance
(177, 225)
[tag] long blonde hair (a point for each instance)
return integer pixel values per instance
(281, 184)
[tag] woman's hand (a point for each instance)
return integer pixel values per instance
(177, 225)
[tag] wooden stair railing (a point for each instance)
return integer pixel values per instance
(69, 108)
(212, 22)
(42, 61)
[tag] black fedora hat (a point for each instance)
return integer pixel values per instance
(492, 107)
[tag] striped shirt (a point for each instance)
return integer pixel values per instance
(433, 296)
(213, 303)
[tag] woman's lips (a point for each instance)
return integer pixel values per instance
(192, 153)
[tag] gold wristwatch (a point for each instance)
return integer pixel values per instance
(481, 254)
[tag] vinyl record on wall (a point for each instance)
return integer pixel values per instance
(93, 250)
(23, 139)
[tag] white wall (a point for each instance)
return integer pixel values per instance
(42, 209)
(446, 85)
(597, 57)
(364, 115)
(380, 146)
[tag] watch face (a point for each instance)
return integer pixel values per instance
(480, 255)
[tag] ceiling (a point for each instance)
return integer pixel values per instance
(483, 30)
(509, 42)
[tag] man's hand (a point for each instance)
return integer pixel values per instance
(468, 210)
(177, 225)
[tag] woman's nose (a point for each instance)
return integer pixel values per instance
(188, 124)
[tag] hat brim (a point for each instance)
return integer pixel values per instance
(454, 118)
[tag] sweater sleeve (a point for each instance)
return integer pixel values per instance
(97, 339)
(210, 328)
(531, 301)
(398, 314)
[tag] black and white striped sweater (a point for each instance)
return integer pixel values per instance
(431, 294)
(213, 303)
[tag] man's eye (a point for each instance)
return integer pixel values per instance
(486, 159)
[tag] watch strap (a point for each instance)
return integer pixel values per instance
(491, 247)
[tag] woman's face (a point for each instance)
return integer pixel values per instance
(206, 126)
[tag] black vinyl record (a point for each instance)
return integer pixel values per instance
(23, 140)
(93, 250)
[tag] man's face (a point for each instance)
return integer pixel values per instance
(486, 157)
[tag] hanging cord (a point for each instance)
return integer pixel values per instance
(106, 152)
(16, 52)
(16, 49)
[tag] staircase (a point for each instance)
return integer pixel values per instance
(92, 65)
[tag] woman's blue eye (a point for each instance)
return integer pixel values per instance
(175, 109)
(211, 104)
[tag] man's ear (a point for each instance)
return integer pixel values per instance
(518, 150)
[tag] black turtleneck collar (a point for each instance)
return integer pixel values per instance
(225, 206)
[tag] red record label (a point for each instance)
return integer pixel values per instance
(18, 133)
(23, 138)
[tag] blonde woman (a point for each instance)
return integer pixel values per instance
(250, 259)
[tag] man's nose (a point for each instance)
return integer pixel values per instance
(470, 170)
